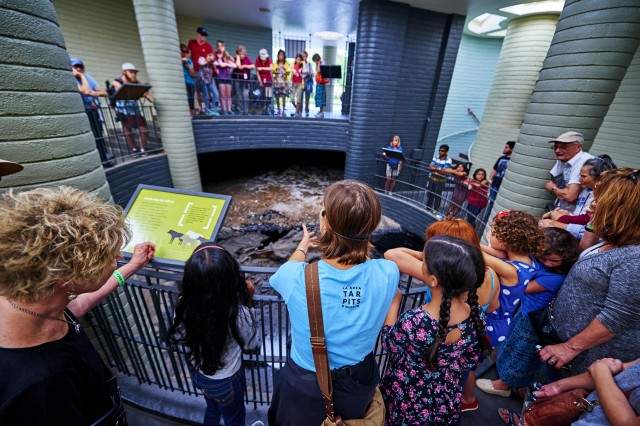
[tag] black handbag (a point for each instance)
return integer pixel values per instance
(116, 416)
(542, 322)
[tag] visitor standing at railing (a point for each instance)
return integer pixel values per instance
(206, 79)
(59, 249)
(459, 175)
(199, 48)
(129, 112)
(215, 321)
(280, 79)
(90, 99)
(477, 198)
(297, 84)
(189, 76)
(242, 79)
(224, 64)
(356, 293)
(321, 90)
(431, 346)
(440, 166)
(499, 169)
(393, 164)
(307, 75)
(265, 78)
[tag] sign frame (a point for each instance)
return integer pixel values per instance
(172, 263)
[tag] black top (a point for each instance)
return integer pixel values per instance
(500, 167)
(60, 382)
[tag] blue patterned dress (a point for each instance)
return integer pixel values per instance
(413, 394)
(500, 322)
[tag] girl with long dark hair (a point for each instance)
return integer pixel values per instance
(431, 346)
(215, 322)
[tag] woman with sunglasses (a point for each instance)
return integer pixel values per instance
(597, 310)
(356, 293)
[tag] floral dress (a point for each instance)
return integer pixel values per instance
(413, 394)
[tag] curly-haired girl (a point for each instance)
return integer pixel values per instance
(432, 345)
(514, 240)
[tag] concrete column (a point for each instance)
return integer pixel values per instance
(523, 51)
(160, 45)
(330, 57)
(589, 55)
(618, 135)
(42, 121)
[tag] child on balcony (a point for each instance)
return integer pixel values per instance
(206, 75)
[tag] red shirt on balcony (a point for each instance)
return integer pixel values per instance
(478, 194)
(198, 51)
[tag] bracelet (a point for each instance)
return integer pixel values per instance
(119, 277)
(302, 250)
(588, 227)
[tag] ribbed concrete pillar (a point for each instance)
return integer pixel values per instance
(330, 57)
(618, 135)
(42, 121)
(591, 50)
(523, 51)
(160, 46)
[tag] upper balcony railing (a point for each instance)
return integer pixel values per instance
(441, 194)
(250, 98)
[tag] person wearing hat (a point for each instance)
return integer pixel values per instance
(265, 78)
(129, 112)
(565, 181)
(199, 49)
(9, 167)
(91, 91)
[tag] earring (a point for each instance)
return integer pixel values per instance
(71, 295)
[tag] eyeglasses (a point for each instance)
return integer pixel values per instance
(323, 213)
(633, 176)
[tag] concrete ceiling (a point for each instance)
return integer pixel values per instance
(303, 17)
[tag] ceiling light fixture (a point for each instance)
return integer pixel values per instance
(328, 35)
(535, 7)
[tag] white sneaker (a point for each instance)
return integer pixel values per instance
(320, 115)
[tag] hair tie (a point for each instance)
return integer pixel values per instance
(363, 239)
(207, 247)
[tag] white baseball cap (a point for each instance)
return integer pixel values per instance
(128, 66)
(263, 54)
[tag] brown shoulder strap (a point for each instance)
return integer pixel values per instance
(318, 342)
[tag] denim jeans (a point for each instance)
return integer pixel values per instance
(225, 398)
(242, 95)
(210, 93)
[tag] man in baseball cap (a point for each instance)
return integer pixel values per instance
(565, 181)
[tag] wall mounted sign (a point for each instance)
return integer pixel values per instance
(175, 220)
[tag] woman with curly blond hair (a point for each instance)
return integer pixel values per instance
(59, 250)
(597, 310)
(516, 239)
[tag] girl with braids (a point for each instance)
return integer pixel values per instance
(432, 345)
(215, 322)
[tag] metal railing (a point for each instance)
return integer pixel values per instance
(442, 195)
(249, 98)
(130, 328)
(121, 137)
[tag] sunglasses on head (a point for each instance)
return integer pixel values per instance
(633, 176)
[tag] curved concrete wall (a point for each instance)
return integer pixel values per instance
(235, 134)
(42, 120)
(387, 101)
(472, 76)
(620, 130)
(523, 51)
(591, 50)
(160, 45)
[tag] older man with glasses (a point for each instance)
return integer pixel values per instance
(565, 181)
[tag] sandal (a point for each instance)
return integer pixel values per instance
(511, 415)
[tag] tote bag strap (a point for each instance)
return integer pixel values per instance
(318, 342)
